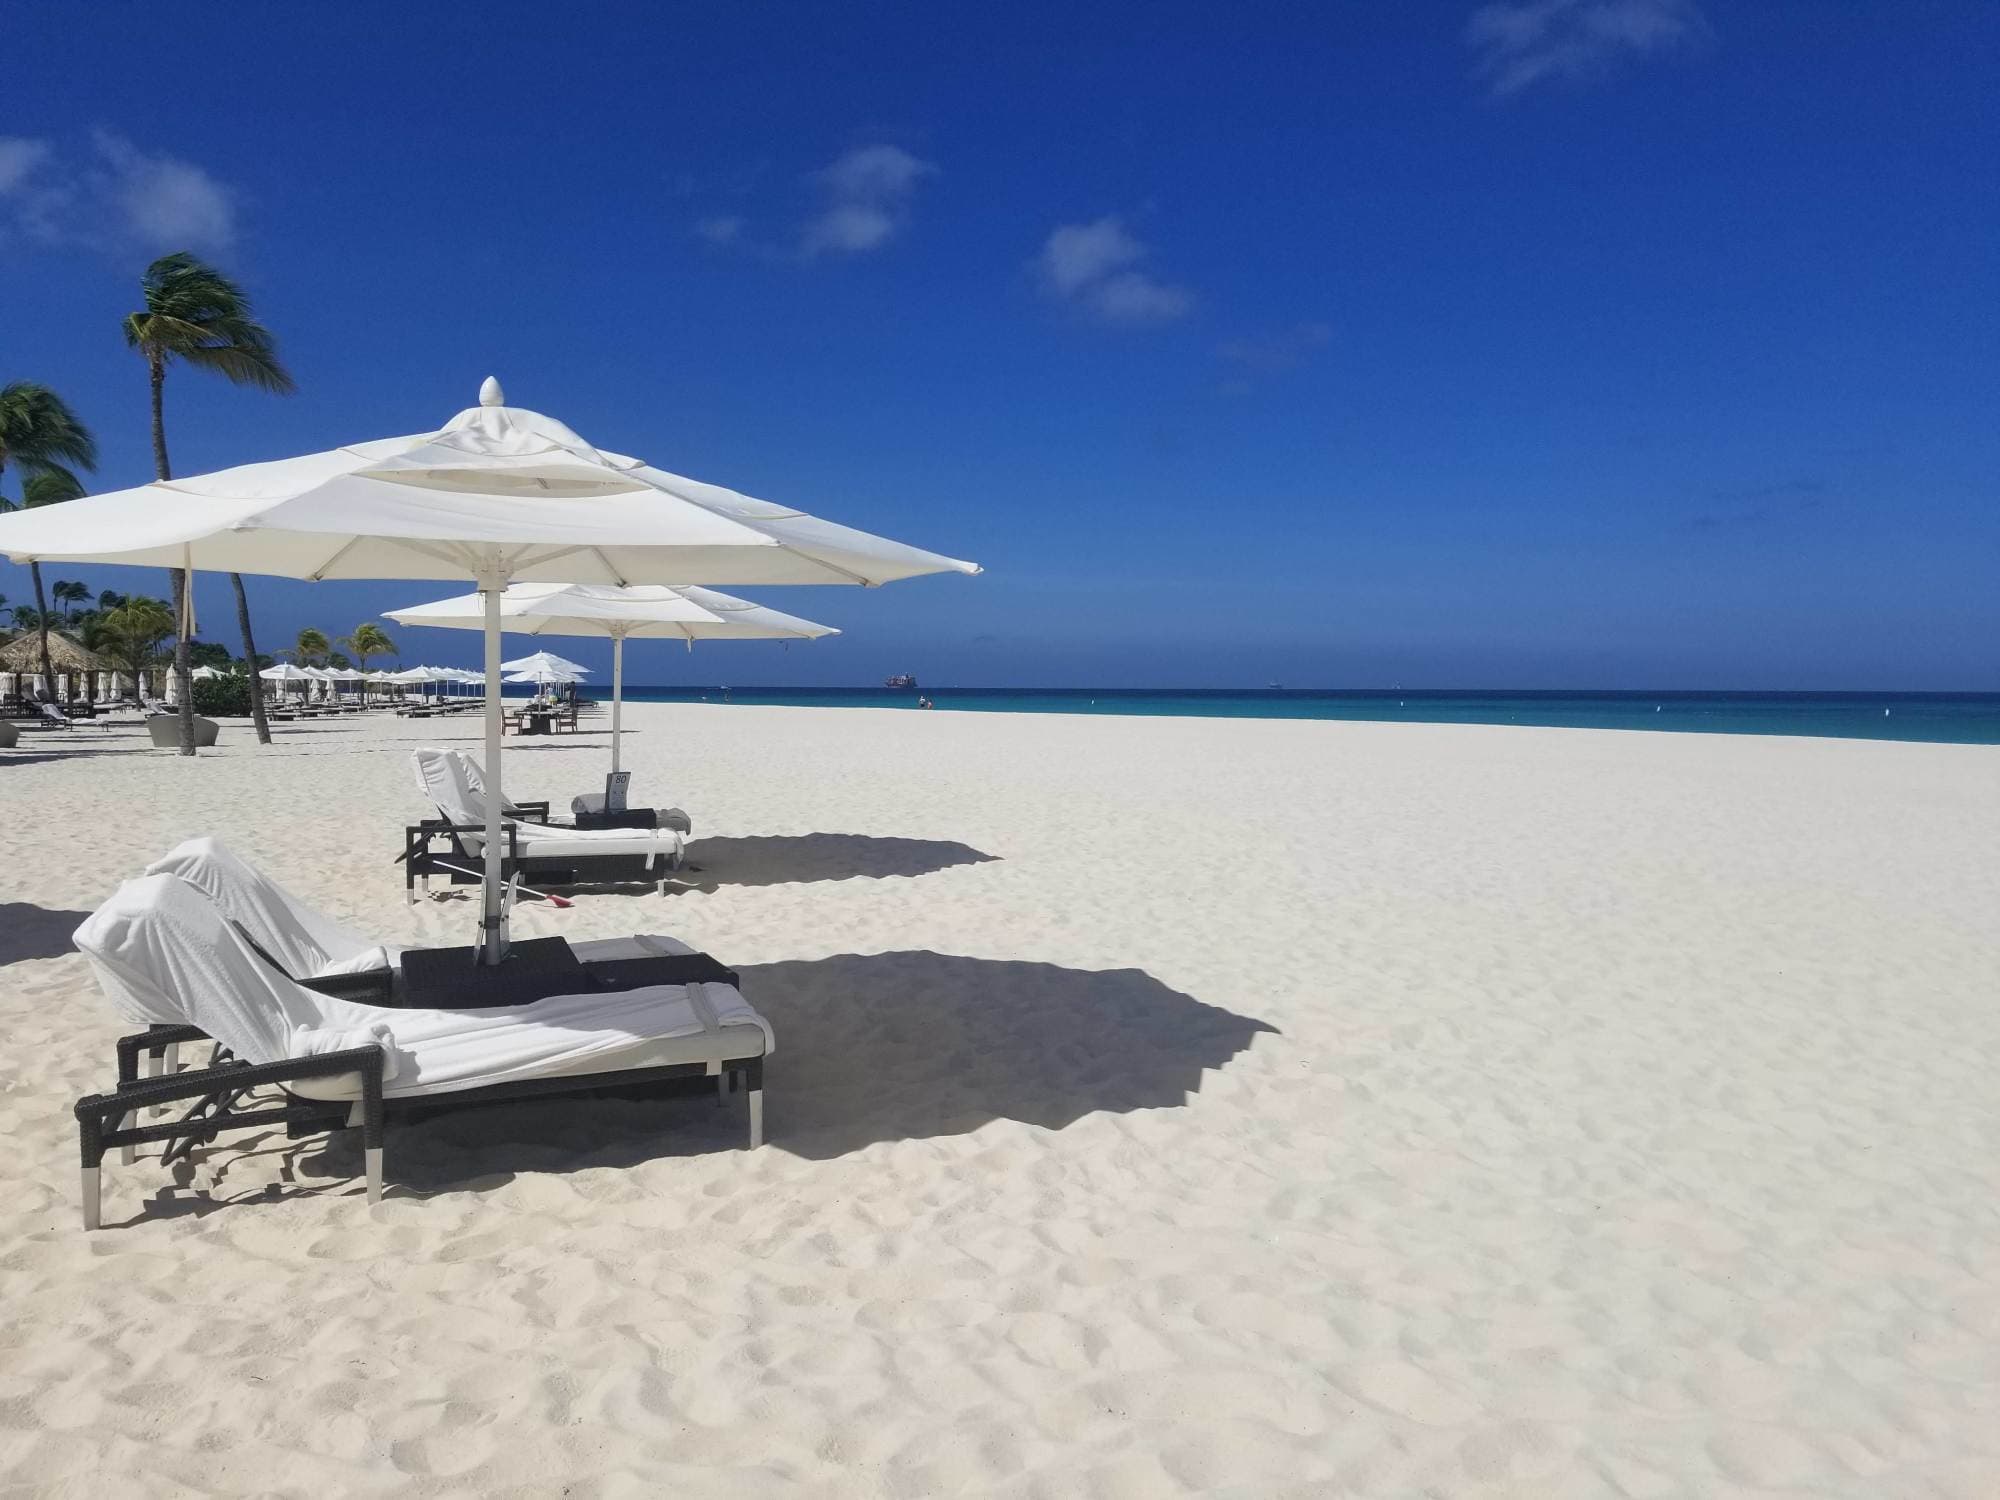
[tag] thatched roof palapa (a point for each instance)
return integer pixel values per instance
(24, 654)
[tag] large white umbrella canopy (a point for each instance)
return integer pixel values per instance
(284, 671)
(590, 609)
(498, 494)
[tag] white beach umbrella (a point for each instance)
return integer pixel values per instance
(207, 673)
(285, 672)
(541, 661)
(498, 494)
(590, 609)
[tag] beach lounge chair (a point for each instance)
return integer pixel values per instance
(165, 954)
(50, 717)
(593, 809)
(539, 853)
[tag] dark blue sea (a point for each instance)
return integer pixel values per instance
(1949, 718)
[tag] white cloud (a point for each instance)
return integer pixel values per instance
(19, 159)
(1523, 42)
(166, 203)
(1077, 254)
(1094, 266)
(850, 227)
(720, 229)
(112, 196)
(867, 193)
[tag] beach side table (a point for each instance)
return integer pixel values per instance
(534, 969)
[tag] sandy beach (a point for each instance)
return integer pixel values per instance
(1160, 1107)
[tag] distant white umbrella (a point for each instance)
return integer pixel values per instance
(589, 609)
(208, 674)
(497, 494)
(541, 661)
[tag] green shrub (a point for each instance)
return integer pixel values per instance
(218, 696)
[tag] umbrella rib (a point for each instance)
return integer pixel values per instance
(616, 576)
(345, 547)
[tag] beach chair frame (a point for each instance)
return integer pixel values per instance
(422, 860)
(213, 1094)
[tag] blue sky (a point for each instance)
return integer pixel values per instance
(1543, 343)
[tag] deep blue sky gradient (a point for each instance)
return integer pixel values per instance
(1679, 370)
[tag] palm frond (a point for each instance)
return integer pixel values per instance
(196, 313)
(49, 484)
(242, 366)
(37, 427)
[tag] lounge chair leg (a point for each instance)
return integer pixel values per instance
(371, 1125)
(127, 1154)
(756, 1118)
(93, 1199)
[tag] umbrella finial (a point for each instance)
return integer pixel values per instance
(490, 393)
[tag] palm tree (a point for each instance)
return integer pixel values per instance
(41, 434)
(48, 486)
(195, 313)
(134, 631)
(68, 592)
(311, 647)
(369, 639)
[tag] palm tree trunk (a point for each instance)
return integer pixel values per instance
(42, 624)
(156, 366)
(250, 658)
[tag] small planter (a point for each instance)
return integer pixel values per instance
(166, 731)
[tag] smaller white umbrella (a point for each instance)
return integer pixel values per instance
(206, 673)
(658, 610)
(544, 661)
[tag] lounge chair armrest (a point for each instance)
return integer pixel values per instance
(151, 1040)
(194, 1083)
(537, 812)
(365, 985)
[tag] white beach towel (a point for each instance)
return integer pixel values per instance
(306, 942)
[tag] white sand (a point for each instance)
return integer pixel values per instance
(1162, 1106)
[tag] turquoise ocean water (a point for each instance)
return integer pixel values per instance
(1950, 718)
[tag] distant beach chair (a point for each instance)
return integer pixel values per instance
(605, 809)
(165, 954)
(538, 852)
(50, 717)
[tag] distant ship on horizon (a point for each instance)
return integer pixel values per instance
(902, 680)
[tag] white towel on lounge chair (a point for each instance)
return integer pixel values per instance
(306, 942)
(164, 952)
(442, 780)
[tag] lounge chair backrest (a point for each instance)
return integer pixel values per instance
(304, 942)
(164, 952)
(474, 777)
(442, 783)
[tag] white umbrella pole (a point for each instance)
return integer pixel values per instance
(493, 921)
(617, 694)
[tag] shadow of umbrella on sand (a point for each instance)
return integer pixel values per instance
(910, 1046)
